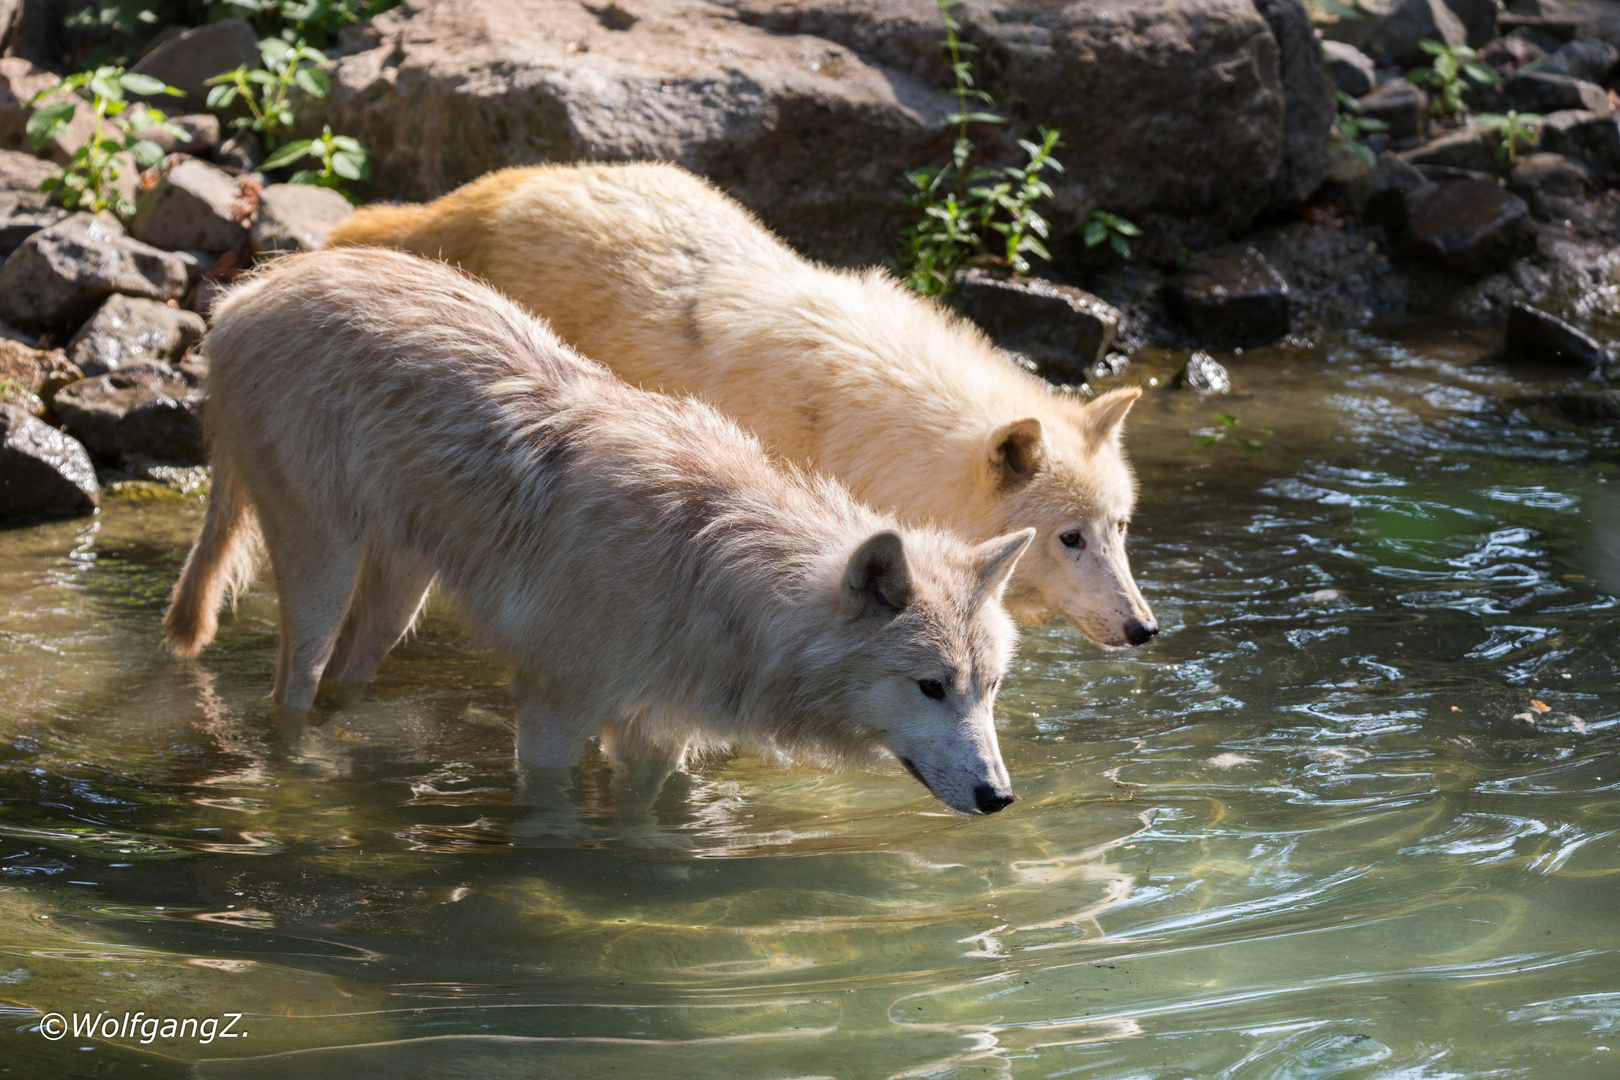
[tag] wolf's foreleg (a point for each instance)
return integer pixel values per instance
(546, 739)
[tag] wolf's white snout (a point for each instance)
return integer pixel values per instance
(936, 712)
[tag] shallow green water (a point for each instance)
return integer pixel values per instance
(1317, 828)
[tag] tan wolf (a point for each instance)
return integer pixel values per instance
(672, 284)
(382, 420)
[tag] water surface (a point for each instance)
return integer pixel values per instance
(1355, 813)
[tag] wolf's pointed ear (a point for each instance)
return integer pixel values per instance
(878, 581)
(998, 557)
(1103, 417)
(1016, 449)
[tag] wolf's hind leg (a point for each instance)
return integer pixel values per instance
(315, 578)
(546, 739)
(386, 603)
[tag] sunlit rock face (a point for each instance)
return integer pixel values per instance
(1173, 112)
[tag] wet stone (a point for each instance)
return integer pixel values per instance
(1536, 338)
(1542, 92)
(43, 472)
(61, 273)
(1060, 328)
(126, 330)
(1400, 105)
(1203, 374)
(191, 207)
(297, 217)
(141, 411)
(1470, 227)
(1230, 295)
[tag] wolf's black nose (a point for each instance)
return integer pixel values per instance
(989, 800)
(1137, 632)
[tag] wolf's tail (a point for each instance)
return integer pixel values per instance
(381, 226)
(225, 557)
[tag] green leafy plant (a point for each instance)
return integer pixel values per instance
(974, 213)
(1351, 128)
(1101, 225)
(341, 158)
(1226, 431)
(267, 91)
(1513, 128)
(1445, 75)
(314, 21)
(87, 180)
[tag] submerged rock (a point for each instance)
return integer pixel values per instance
(43, 473)
(1230, 295)
(192, 207)
(141, 411)
(61, 273)
(126, 330)
(1535, 337)
(1203, 374)
(1061, 329)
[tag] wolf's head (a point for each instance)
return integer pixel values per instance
(926, 642)
(1072, 483)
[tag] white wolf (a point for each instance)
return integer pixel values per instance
(652, 577)
(673, 285)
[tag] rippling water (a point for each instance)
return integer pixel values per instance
(1356, 813)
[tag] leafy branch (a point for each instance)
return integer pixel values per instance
(87, 180)
(266, 91)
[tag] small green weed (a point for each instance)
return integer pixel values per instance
(341, 158)
(1445, 75)
(267, 91)
(1227, 432)
(1351, 128)
(86, 181)
(1102, 225)
(1512, 128)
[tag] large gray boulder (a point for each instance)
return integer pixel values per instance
(297, 217)
(43, 473)
(1173, 112)
(187, 61)
(1063, 330)
(1352, 70)
(1309, 99)
(127, 330)
(60, 274)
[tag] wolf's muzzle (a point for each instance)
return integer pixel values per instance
(1138, 633)
(991, 801)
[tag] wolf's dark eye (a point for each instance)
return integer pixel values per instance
(931, 688)
(1073, 539)
(1123, 526)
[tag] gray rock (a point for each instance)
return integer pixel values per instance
(1469, 227)
(1389, 172)
(1552, 185)
(297, 217)
(43, 473)
(20, 80)
(60, 274)
(1061, 329)
(1594, 137)
(19, 225)
(241, 151)
(11, 21)
(142, 411)
(1542, 92)
(126, 330)
(24, 172)
(188, 61)
(1404, 107)
(1309, 104)
(191, 207)
(1389, 30)
(1473, 147)
(1536, 338)
(1352, 70)
(1230, 295)
(1478, 18)
(197, 263)
(202, 128)
(1591, 61)
(1174, 115)
(1203, 374)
